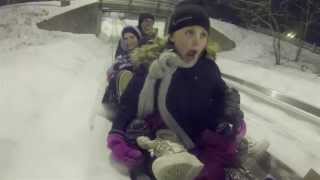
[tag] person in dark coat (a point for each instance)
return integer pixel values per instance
(145, 25)
(147, 32)
(127, 44)
(181, 90)
(130, 39)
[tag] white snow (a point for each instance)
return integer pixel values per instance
(51, 85)
(253, 60)
(52, 8)
(292, 140)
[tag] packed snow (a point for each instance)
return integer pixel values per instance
(253, 61)
(51, 85)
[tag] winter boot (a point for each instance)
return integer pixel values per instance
(173, 162)
(177, 166)
(123, 79)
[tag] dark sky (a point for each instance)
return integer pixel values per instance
(221, 9)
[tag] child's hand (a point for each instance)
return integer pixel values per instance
(232, 112)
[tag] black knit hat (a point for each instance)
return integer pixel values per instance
(133, 30)
(144, 16)
(188, 15)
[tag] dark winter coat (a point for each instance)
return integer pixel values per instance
(195, 98)
(119, 50)
(146, 38)
(123, 62)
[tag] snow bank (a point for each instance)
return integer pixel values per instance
(257, 48)
(50, 87)
(253, 60)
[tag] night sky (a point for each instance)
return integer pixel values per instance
(221, 9)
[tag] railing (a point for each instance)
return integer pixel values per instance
(7, 2)
(312, 113)
(162, 8)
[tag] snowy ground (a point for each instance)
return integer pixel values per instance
(51, 84)
(253, 60)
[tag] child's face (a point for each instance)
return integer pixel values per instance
(130, 40)
(189, 42)
(147, 25)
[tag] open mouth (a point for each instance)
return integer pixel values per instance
(191, 55)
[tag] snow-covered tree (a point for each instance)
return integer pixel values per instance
(307, 13)
(263, 13)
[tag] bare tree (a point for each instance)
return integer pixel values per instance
(309, 14)
(262, 13)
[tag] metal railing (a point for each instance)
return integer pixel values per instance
(294, 102)
(160, 8)
(296, 106)
(293, 107)
(7, 2)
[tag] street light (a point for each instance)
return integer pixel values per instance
(291, 35)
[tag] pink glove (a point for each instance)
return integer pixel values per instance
(217, 153)
(122, 152)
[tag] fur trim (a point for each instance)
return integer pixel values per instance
(212, 49)
(146, 54)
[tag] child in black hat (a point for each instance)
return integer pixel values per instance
(179, 88)
(145, 25)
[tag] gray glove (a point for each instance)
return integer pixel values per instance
(232, 112)
(232, 103)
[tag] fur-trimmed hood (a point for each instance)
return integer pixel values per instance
(146, 54)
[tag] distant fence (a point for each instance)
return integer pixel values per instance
(311, 47)
(160, 8)
(7, 2)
